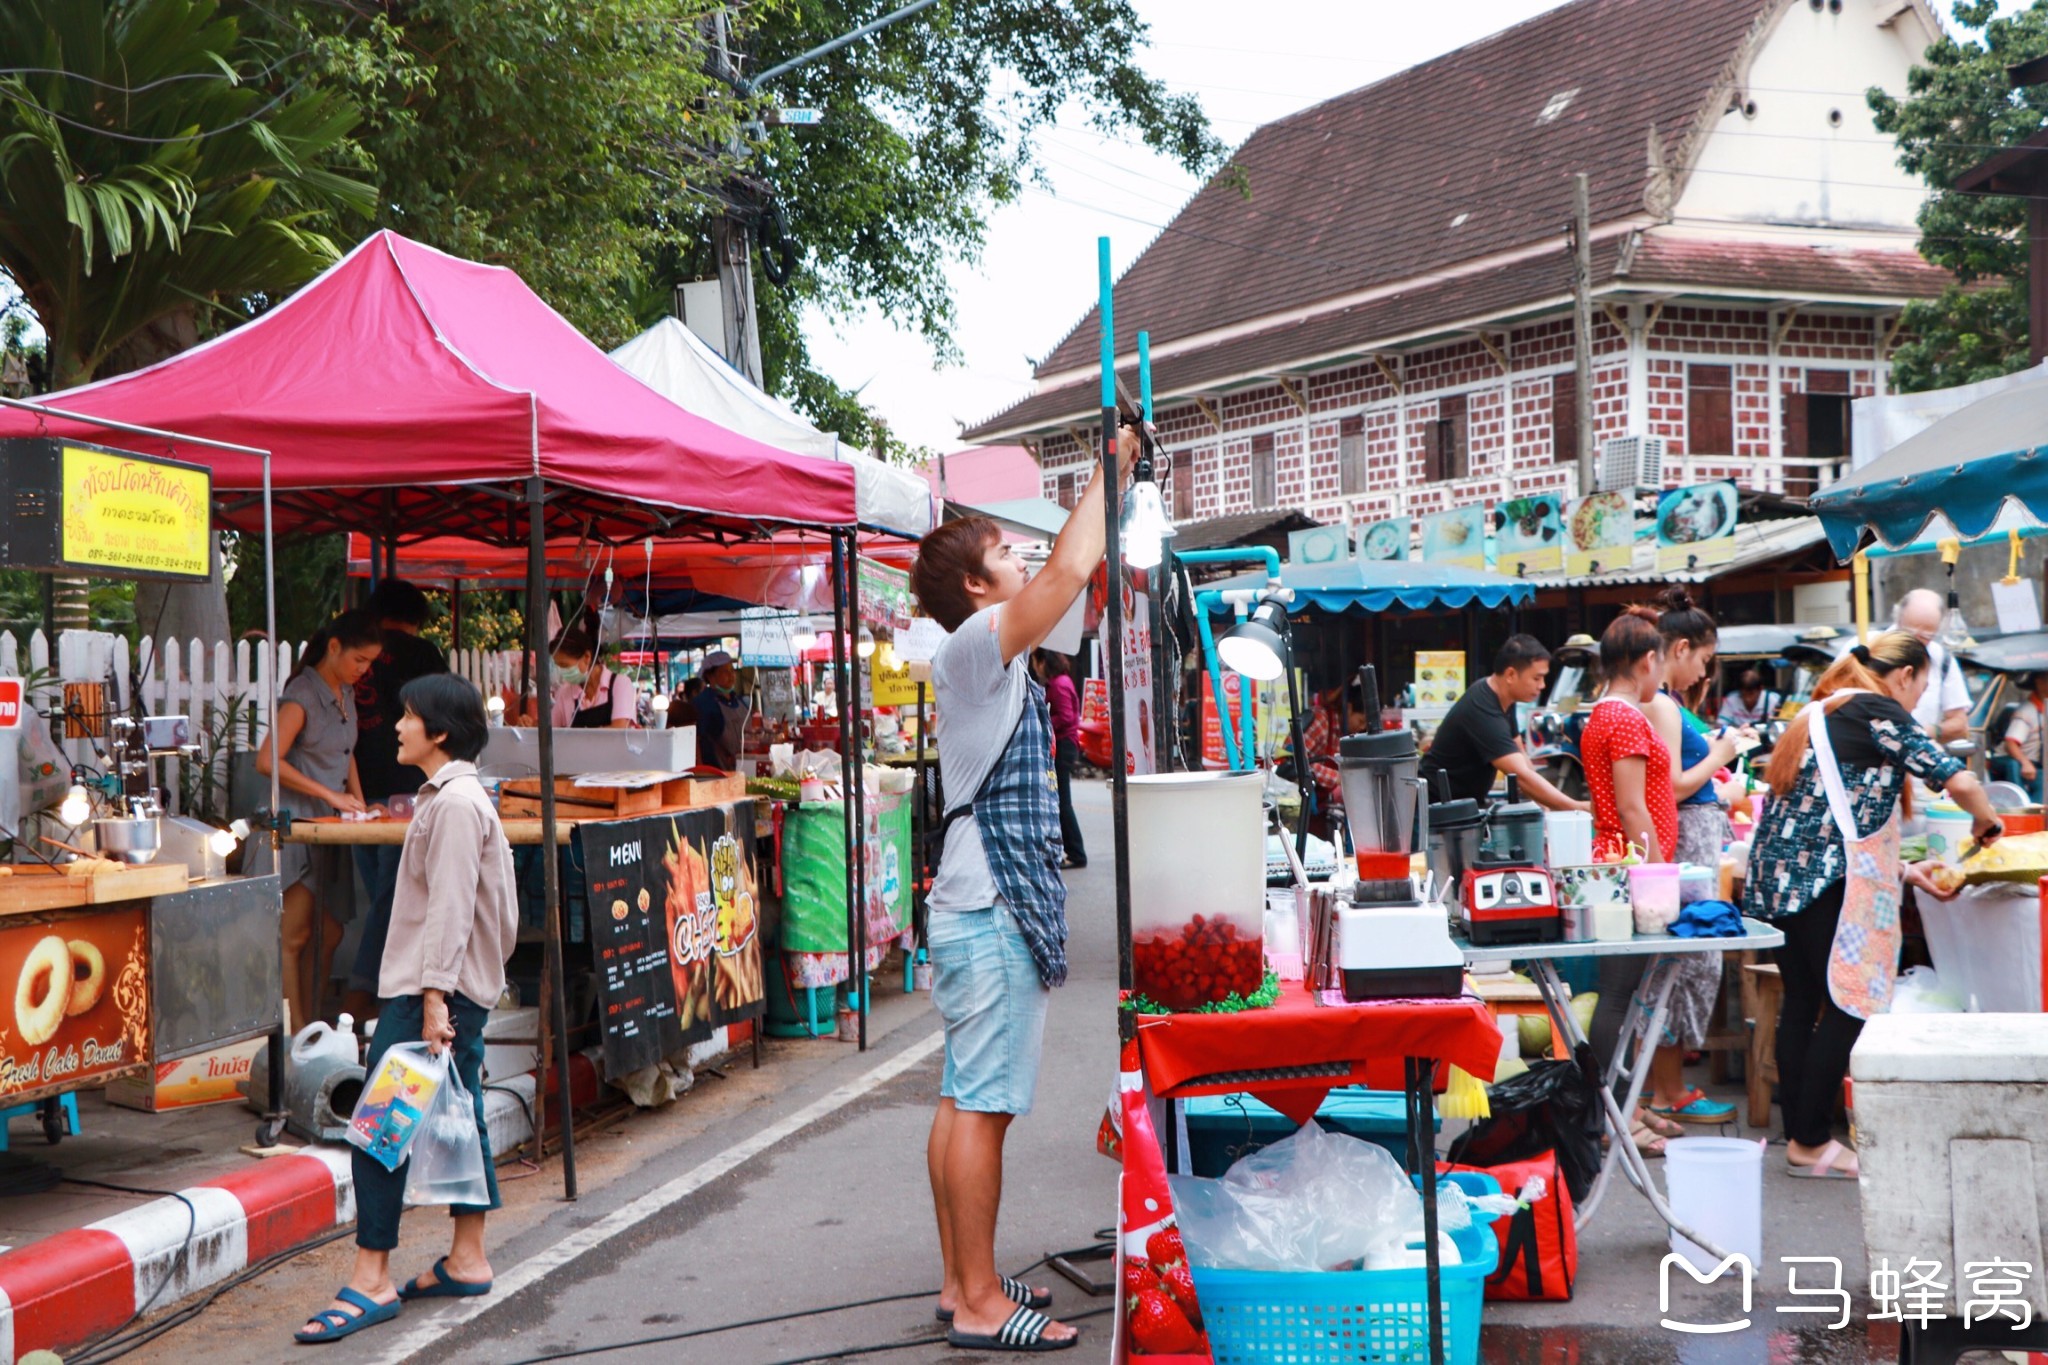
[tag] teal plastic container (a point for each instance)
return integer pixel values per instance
(1223, 1128)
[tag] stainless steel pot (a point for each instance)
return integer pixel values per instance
(130, 838)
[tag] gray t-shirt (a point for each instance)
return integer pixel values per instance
(980, 700)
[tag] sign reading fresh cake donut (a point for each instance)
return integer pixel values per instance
(74, 1001)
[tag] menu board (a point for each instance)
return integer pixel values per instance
(80, 1002)
(1600, 533)
(1530, 534)
(1439, 676)
(1696, 526)
(1385, 539)
(675, 925)
(1456, 537)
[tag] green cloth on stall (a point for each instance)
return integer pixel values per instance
(814, 873)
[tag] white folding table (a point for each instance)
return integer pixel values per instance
(1541, 959)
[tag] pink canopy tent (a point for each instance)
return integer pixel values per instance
(409, 393)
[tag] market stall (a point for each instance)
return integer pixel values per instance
(138, 950)
(467, 407)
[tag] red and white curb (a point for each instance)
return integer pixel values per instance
(81, 1284)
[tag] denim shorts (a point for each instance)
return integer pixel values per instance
(986, 987)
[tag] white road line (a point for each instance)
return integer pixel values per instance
(585, 1240)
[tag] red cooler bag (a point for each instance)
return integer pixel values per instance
(1539, 1245)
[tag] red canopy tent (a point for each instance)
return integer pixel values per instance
(413, 394)
(445, 386)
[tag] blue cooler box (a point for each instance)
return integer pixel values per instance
(1222, 1128)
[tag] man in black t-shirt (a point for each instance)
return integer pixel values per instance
(1477, 738)
(403, 609)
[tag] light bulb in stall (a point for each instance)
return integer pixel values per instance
(866, 647)
(1955, 631)
(803, 636)
(494, 709)
(1253, 648)
(76, 807)
(658, 704)
(222, 842)
(1146, 527)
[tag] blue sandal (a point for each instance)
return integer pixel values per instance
(1698, 1108)
(336, 1324)
(445, 1286)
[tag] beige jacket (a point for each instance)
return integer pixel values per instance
(455, 911)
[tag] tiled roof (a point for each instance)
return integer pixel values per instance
(1781, 269)
(1239, 528)
(1459, 158)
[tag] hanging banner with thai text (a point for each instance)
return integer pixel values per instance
(884, 594)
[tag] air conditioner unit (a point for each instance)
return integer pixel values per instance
(1631, 462)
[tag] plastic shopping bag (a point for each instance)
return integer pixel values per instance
(448, 1155)
(396, 1101)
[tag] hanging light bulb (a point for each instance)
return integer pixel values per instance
(803, 636)
(1955, 631)
(76, 807)
(222, 842)
(866, 646)
(494, 710)
(658, 704)
(1146, 527)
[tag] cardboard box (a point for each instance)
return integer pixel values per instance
(209, 1078)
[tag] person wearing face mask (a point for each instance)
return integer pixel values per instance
(588, 696)
(312, 750)
(721, 714)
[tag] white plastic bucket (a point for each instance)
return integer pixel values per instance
(1198, 847)
(1569, 835)
(1948, 829)
(1717, 1189)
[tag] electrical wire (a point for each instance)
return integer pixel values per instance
(184, 1250)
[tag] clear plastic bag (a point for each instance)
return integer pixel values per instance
(1314, 1201)
(396, 1101)
(448, 1155)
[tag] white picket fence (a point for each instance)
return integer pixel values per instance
(208, 683)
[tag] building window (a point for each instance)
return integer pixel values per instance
(1351, 464)
(1067, 494)
(1564, 418)
(1182, 505)
(1816, 433)
(1709, 410)
(1263, 470)
(1447, 453)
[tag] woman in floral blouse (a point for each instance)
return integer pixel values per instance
(1800, 872)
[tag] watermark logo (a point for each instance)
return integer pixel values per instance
(1701, 1329)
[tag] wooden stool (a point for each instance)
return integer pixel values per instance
(1762, 993)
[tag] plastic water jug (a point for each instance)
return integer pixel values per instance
(317, 1040)
(1717, 1190)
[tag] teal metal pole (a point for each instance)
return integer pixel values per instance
(1205, 603)
(1145, 375)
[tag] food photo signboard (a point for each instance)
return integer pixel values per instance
(1529, 534)
(1456, 537)
(1385, 539)
(1319, 545)
(1439, 676)
(1696, 526)
(1600, 533)
(80, 1002)
(675, 922)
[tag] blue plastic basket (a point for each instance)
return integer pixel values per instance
(1351, 1317)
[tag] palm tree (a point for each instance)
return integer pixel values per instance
(156, 183)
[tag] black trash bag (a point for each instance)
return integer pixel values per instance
(1553, 1106)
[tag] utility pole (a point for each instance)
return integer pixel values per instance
(1582, 326)
(732, 238)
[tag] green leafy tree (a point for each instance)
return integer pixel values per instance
(1958, 110)
(928, 126)
(150, 186)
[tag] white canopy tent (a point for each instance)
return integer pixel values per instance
(671, 359)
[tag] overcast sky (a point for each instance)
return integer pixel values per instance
(1037, 276)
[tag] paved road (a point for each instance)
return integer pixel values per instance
(801, 1186)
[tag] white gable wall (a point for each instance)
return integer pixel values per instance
(1788, 164)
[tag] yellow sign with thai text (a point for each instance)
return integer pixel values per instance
(127, 514)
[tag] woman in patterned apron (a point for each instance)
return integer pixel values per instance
(1825, 868)
(998, 927)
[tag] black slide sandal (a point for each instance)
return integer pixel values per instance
(1016, 1291)
(1025, 1331)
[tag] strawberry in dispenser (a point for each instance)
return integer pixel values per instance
(1198, 887)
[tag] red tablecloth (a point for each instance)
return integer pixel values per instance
(1370, 1040)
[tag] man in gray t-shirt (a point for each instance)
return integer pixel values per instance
(989, 955)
